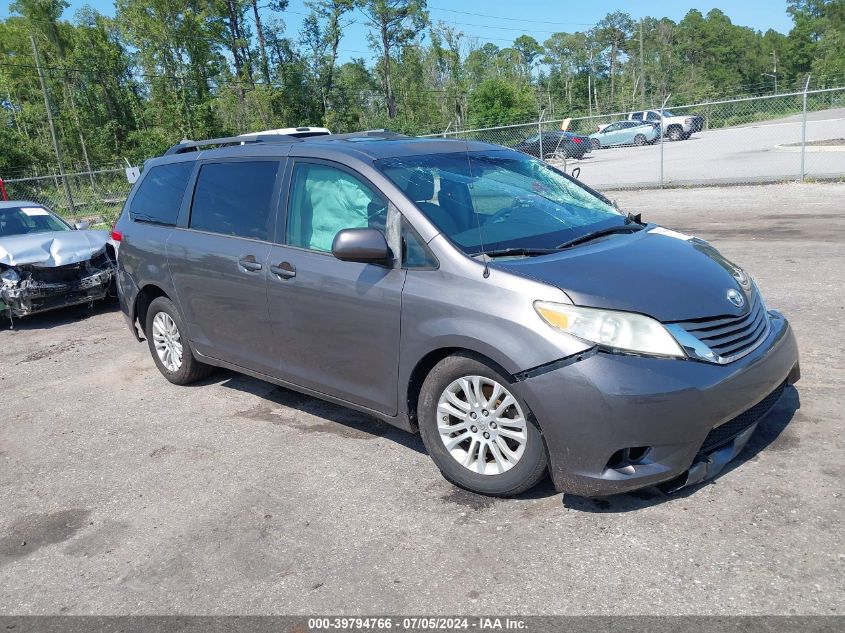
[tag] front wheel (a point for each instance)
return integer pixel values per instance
(170, 350)
(478, 430)
(596, 144)
(676, 133)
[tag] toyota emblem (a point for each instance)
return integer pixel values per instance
(736, 298)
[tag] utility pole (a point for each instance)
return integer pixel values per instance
(642, 67)
(52, 125)
(590, 84)
(775, 70)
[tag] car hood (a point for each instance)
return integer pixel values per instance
(661, 273)
(51, 248)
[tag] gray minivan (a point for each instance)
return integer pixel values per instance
(513, 316)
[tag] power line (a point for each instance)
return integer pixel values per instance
(511, 19)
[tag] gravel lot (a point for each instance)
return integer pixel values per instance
(121, 493)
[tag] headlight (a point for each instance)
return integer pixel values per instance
(615, 331)
(10, 276)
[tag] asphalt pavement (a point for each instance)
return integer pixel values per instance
(758, 152)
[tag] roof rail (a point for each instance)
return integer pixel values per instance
(381, 133)
(189, 146)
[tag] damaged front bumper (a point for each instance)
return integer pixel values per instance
(29, 289)
(616, 423)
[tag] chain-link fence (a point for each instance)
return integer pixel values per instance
(795, 136)
(95, 196)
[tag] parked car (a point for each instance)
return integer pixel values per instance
(45, 263)
(513, 316)
(555, 143)
(676, 127)
(625, 133)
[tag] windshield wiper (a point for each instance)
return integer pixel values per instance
(526, 252)
(589, 237)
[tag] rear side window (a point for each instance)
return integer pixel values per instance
(638, 116)
(160, 194)
(235, 199)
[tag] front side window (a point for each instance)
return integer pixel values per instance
(28, 219)
(160, 194)
(235, 199)
(637, 116)
(653, 116)
(324, 200)
(498, 199)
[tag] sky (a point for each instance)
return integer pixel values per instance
(500, 21)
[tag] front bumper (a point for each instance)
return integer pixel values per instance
(34, 295)
(592, 409)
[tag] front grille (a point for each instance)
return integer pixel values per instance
(724, 433)
(732, 337)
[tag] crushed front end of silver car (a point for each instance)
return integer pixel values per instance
(49, 272)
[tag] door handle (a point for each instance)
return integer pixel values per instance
(285, 270)
(248, 263)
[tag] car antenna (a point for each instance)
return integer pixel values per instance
(477, 219)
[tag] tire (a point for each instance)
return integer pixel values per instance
(639, 140)
(188, 369)
(596, 144)
(508, 474)
(676, 133)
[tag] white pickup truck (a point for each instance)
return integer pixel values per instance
(674, 126)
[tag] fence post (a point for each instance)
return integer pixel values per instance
(540, 133)
(804, 127)
(662, 133)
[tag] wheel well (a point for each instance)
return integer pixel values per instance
(427, 363)
(142, 303)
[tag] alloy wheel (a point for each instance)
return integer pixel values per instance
(481, 425)
(167, 341)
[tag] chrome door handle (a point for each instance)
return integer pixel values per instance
(248, 263)
(285, 270)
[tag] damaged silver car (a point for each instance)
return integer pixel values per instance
(45, 263)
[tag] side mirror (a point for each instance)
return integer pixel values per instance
(365, 246)
(81, 226)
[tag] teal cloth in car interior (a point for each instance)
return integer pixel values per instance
(337, 201)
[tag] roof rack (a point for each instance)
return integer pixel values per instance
(382, 133)
(190, 146)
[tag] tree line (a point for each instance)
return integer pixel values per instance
(131, 85)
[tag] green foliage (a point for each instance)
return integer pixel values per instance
(161, 70)
(497, 100)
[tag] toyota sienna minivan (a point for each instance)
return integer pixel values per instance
(516, 318)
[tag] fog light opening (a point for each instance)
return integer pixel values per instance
(627, 457)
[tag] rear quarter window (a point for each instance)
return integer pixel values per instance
(159, 195)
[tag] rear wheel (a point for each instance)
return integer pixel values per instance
(165, 332)
(639, 140)
(478, 430)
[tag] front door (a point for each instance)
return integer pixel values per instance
(336, 323)
(218, 262)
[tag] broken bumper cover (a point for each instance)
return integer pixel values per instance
(682, 421)
(32, 295)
